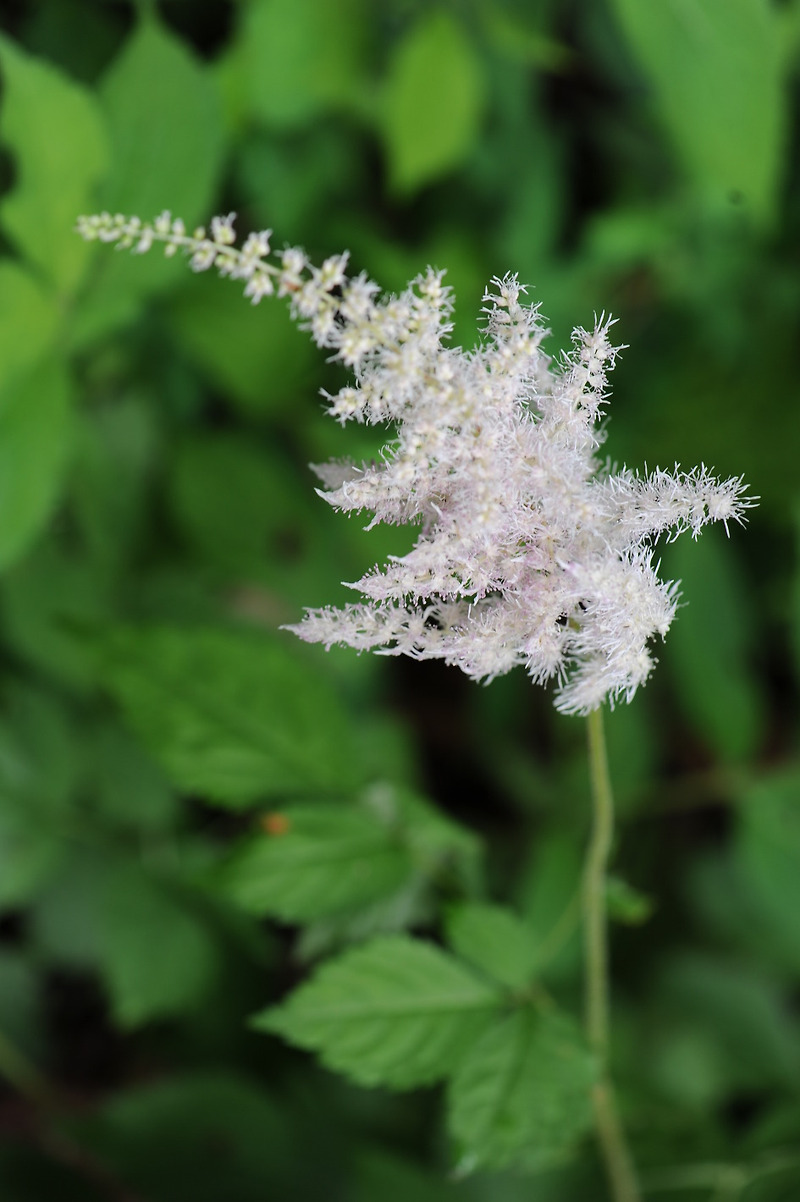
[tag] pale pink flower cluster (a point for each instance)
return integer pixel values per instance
(531, 551)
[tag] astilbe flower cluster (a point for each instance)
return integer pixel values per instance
(531, 550)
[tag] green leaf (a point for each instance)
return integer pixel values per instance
(394, 1011)
(103, 913)
(709, 645)
(495, 940)
(254, 355)
(56, 134)
(440, 847)
(625, 904)
(522, 1095)
(716, 70)
(156, 956)
(315, 860)
(37, 782)
(202, 1135)
(292, 63)
(28, 321)
(232, 716)
(432, 102)
(167, 154)
(767, 850)
(35, 435)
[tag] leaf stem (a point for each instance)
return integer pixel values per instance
(610, 1135)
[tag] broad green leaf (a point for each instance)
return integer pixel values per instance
(433, 101)
(709, 645)
(495, 940)
(292, 63)
(522, 1095)
(166, 154)
(35, 435)
(394, 1011)
(28, 321)
(313, 860)
(232, 716)
(55, 132)
(716, 71)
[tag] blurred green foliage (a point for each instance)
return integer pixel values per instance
(174, 771)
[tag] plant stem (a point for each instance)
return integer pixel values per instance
(610, 1135)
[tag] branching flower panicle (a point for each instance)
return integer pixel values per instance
(531, 551)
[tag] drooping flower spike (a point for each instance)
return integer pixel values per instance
(531, 551)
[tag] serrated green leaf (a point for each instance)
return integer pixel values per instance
(318, 860)
(494, 939)
(522, 1095)
(28, 320)
(716, 70)
(432, 102)
(232, 716)
(394, 1011)
(35, 433)
(166, 154)
(55, 131)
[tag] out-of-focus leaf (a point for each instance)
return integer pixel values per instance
(203, 1135)
(494, 939)
(709, 645)
(522, 1095)
(55, 131)
(313, 860)
(432, 101)
(232, 716)
(395, 1011)
(116, 447)
(28, 321)
(254, 355)
(625, 904)
(767, 850)
(730, 1021)
(129, 789)
(166, 154)
(550, 893)
(35, 433)
(47, 602)
(37, 779)
(292, 63)
(156, 956)
(716, 70)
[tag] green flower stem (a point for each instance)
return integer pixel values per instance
(610, 1135)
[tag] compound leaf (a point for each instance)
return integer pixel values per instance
(394, 1011)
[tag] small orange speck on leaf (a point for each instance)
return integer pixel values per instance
(275, 824)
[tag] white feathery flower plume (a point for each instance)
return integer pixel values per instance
(531, 551)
